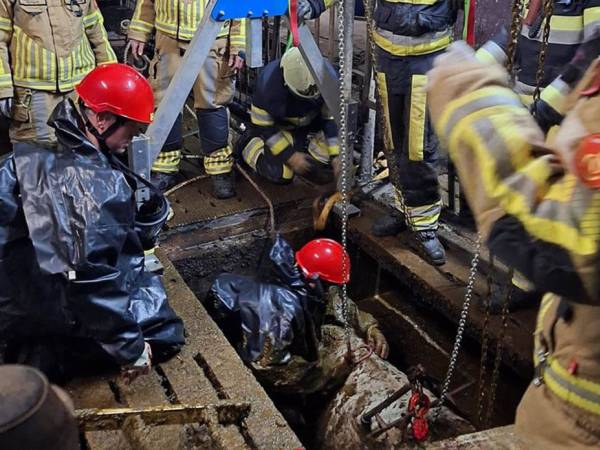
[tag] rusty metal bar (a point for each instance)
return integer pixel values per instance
(226, 412)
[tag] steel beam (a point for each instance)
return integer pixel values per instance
(224, 412)
(254, 38)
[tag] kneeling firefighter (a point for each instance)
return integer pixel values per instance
(289, 319)
(537, 204)
(292, 129)
(74, 293)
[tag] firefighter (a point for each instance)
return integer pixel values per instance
(46, 48)
(292, 320)
(294, 132)
(408, 36)
(536, 204)
(75, 295)
(174, 24)
(572, 24)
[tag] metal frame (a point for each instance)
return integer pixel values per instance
(146, 147)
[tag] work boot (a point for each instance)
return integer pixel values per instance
(388, 225)
(223, 185)
(431, 247)
(164, 181)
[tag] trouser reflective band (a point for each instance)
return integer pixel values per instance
(219, 162)
(265, 164)
(167, 162)
(422, 218)
(573, 389)
(418, 107)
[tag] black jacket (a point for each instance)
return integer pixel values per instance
(71, 261)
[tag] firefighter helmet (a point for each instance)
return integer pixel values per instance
(324, 258)
(296, 75)
(119, 89)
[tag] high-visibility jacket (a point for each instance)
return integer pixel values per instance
(413, 27)
(572, 23)
(275, 112)
(180, 19)
(50, 45)
(540, 218)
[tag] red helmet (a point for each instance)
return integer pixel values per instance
(324, 257)
(119, 89)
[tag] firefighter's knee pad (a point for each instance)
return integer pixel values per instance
(213, 129)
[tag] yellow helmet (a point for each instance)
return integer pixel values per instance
(296, 75)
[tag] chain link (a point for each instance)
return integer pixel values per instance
(539, 76)
(461, 327)
(345, 155)
(484, 346)
(515, 31)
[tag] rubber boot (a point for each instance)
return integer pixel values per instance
(388, 225)
(223, 187)
(164, 181)
(431, 247)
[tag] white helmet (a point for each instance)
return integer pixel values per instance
(296, 75)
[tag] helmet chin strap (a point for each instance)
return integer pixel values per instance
(106, 133)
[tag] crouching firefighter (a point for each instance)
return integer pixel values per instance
(74, 295)
(408, 35)
(292, 129)
(537, 204)
(288, 320)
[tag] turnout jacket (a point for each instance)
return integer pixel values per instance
(538, 216)
(71, 259)
(50, 45)
(409, 28)
(180, 19)
(276, 112)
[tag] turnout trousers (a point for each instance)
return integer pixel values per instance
(212, 91)
(409, 134)
(30, 113)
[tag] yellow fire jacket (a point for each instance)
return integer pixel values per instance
(50, 45)
(180, 19)
(539, 217)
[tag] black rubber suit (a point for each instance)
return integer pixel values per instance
(72, 281)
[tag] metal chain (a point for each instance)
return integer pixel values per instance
(461, 327)
(539, 76)
(345, 155)
(515, 31)
(389, 154)
(484, 346)
(499, 350)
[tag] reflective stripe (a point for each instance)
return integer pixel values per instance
(279, 142)
(260, 117)
(561, 37)
(575, 390)
(302, 121)
(318, 149)
(422, 218)
(167, 162)
(490, 52)
(253, 150)
(414, 2)
(407, 45)
(477, 131)
(555, 93)
(416, 127)
(5, 24)
(219, 162)
(383, 93)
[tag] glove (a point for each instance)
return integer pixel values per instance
(300, 163)
(305, 10)
(377, 342)
(6, 107)
(142, 366)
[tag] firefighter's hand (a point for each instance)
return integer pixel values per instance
(137, 48)
(457, 53)
(6, 107)
(305, 10)
(236, 62)
(377, 342)
(142, 366)
(300, 163)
